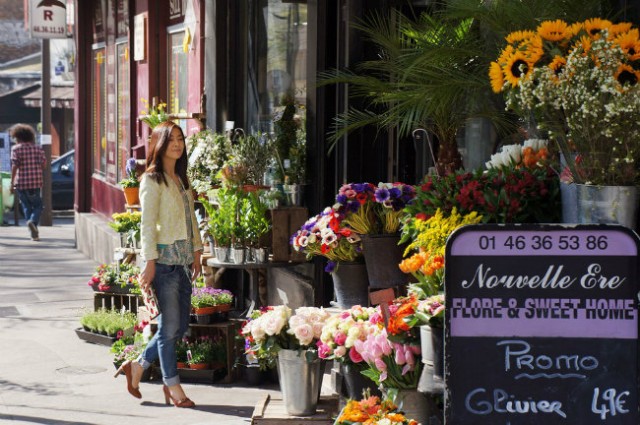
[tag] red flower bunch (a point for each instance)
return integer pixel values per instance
(499, 195)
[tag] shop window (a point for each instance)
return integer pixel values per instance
(123, 108)
(99, 111)
(178, 74)
(278, 62)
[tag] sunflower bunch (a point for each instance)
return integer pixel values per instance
(580, 83)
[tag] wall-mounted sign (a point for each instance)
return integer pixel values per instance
(541, 325)
(139, 38)
(48, 19)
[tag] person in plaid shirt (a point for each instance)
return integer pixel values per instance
(27, 162)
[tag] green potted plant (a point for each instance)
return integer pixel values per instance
(255, 152)
(112, 324)
(182, 347)
(221, 212)
(258, 225)
(206, 300)
(201, 353)
(153, 114)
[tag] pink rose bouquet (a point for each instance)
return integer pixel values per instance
(342, 331)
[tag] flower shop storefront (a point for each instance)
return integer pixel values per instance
(256, 147)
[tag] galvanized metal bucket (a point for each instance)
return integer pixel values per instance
(300, 382)
(608, 204)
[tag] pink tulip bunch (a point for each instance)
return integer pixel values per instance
(391, 364)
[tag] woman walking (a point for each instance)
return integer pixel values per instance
(172, 249)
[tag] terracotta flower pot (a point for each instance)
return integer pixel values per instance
(131, 195)
(199, 366)
(204, 310)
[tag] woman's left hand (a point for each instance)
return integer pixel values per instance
(196, 267)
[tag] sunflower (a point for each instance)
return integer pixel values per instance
(584, 44)
(497, 77)
(517, 68)
(517, 36)
(557, 64)
(532, 49)
(506, 54)
(626, 75)
(553, 30)
(595, 26)
(575, 29)
(630, 43)
(617, 29)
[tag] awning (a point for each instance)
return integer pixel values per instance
(61, 97)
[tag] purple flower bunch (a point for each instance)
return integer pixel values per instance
(131, 167)
(395, 196)
(370, 209)
(209, 297)
(131, 178)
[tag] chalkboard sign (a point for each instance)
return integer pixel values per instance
(541, 325)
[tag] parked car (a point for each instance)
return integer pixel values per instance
(62, 186)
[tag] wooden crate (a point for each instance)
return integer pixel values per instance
(285, 222)
(110, 301)
(271, 411)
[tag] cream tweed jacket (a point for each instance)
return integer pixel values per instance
(163, 220)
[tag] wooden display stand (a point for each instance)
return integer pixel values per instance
(284, 223)
(227, 331)
(271, 411)
(110, 301)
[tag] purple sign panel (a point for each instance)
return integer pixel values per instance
(541, 325)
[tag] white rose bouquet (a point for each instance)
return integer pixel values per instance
(275, 327)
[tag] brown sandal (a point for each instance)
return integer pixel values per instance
(168, 398)
(126, 369)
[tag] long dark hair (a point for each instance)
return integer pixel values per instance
(159, 142)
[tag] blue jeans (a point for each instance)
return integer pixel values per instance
(31, 202)
(173, 290)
